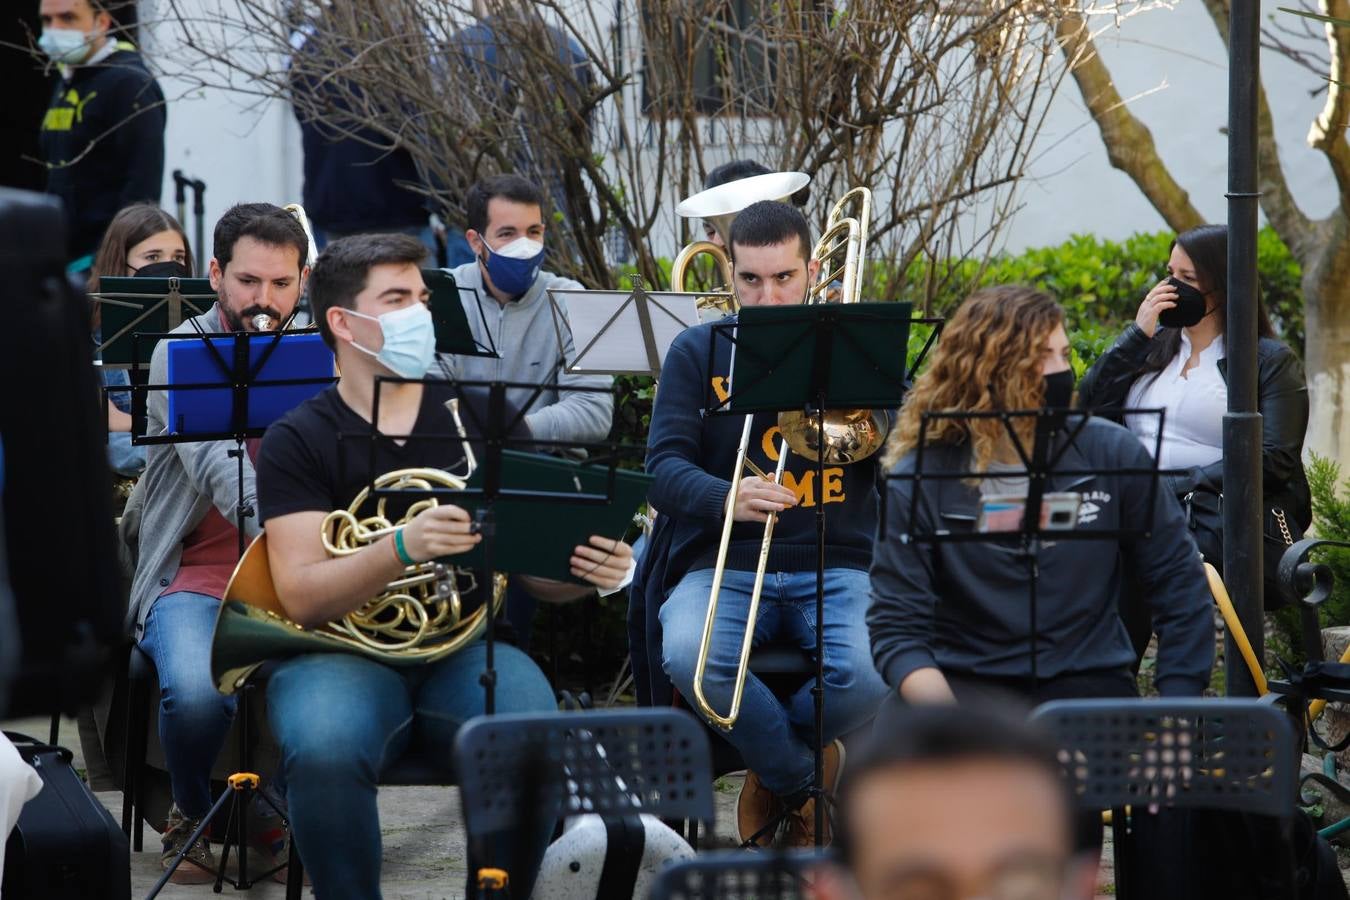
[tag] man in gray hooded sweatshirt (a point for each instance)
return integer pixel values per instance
(512, 310)
(506, 234)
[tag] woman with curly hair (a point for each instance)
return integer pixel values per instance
(952, 620)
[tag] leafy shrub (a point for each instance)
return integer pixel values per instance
(1331, 520)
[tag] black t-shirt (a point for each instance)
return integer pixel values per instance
(317, 458)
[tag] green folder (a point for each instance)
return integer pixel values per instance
(145, 306)
(536, 537)
(778, 350)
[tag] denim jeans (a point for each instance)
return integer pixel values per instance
(123, 457)
(339, 719)
(775, 740)
(194, 718)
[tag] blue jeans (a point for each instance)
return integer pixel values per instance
(339, 719)
(775, 739)
(194, 718)
(123, 458)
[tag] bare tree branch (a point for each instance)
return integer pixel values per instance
(1129, 143)
(1277, 200)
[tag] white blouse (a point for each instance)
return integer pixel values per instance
(1195, 404)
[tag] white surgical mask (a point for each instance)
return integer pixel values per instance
(68, 46)
(409, 340)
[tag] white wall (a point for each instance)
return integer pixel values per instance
(1169, 64)
(245, 150)
(1177, 62)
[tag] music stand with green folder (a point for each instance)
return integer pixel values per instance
(132, 306)
(517, 485)
(814, 358)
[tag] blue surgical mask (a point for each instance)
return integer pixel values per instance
(409, 340)
(68, 46)
(514, 267)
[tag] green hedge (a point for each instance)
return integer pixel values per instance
(1331, 520)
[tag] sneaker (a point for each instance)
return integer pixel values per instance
(273, 847)
(199, 864)
(756, 808)
(801, 825)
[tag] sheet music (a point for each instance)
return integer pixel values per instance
(607, 329)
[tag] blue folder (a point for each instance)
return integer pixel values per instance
(209, 411)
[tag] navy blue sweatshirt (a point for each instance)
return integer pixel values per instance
(691, 456)
(964, 607)
(103, 142)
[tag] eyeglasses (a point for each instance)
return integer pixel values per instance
(1019, 879)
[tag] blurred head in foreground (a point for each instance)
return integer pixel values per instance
(954, 803)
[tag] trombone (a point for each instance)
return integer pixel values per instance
(850, 436)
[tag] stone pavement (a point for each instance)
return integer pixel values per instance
(421, 828)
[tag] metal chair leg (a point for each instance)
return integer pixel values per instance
(295, 873)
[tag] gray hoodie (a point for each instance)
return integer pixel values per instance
(182, 482)
(526, 336)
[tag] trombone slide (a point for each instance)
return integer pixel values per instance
(728, 721)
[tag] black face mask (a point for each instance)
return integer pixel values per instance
(1059, 390)
(1190, 308)
(169, 268)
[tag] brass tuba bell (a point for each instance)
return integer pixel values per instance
(719, 206)
(850, 434)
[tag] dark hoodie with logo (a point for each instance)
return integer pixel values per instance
(965, 609)
(102, 140)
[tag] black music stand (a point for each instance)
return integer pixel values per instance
(1055, 432)
(239, 372)
(451, 322)
(815, 358)
(497, 430)
(147, 306)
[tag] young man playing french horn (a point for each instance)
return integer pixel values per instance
(337, 717)
(692, 456)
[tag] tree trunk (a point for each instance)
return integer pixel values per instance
(1326, 292)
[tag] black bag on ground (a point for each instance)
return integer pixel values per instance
(66, 846)
(1198, 854)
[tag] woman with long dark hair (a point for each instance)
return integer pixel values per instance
(1173, 356)
(142, 239)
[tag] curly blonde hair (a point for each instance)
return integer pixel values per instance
(988, 358)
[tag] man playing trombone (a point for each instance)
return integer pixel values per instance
(692, 456)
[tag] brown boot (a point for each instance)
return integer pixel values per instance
(756, 807)
(801, 824)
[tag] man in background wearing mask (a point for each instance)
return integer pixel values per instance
(180, 522)
(506, 234)
(340, 717)
(102, 138)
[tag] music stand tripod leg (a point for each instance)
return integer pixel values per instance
(818, 689)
